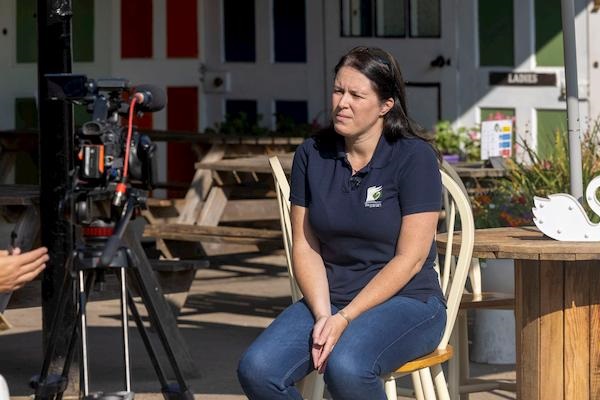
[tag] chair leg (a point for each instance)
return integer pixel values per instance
(427, 383)
(390, 388)
(463, 350)
(454, 367)
(312, 386)
(475, 275)
(419, 395)
(318, 387)
(440, 382)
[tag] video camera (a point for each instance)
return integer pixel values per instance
(113, 164)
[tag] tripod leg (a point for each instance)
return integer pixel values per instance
(83, 330)
(47, 387)
(162, 311)
(53, 386)
(90, 278)
(161, 317)
(160, 373)
(125, 325)
(62, 301)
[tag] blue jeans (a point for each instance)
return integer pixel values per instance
(375, 343)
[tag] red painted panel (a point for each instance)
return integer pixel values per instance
(136, 28)
(144, 122)
(182, 115)
(182, 28)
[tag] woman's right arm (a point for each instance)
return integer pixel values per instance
(307, 264)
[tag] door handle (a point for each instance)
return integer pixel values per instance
(440, 62)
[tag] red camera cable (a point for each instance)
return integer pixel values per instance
(122, 186)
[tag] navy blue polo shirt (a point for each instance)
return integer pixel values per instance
(357, 218)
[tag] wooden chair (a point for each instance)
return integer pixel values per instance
(313, 385)
(475, 298)
(453, 283)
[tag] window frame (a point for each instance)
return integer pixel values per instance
(407, 23)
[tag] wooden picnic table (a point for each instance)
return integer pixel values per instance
(256, 164)
(557, 310)
(19, 195)
(477, 177)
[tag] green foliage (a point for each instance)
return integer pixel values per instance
(511, 202)
(466, 142)
(240, 125)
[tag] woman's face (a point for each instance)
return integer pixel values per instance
(357, 109)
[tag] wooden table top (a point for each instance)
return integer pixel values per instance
(258, 164)
(197, 137)
(525, 243)
(19, 195)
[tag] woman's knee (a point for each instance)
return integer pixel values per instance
(347, 368)
(254, 368)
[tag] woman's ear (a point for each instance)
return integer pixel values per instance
(386, 106)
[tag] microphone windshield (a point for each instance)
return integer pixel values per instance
(155, 98)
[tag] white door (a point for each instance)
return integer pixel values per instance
(262, 57)
(419, 33)
(511, 63)
(158, 43)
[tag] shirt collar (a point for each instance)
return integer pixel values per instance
(381, 157)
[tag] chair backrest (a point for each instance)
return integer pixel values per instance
(454, 277)
(282, 188)
(475, 269)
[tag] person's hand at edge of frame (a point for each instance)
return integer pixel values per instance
(17, 268)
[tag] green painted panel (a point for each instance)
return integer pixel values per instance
(83, 30)
(548, 122)
(26, 115)
(486, 113)
(496, 33)
(548, 34)
(81, 115)
(26, 31)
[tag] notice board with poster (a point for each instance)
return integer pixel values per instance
(496, 138)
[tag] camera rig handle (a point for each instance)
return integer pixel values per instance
(114, 241)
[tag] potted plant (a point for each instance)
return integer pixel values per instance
(462, 144)
(511, 202)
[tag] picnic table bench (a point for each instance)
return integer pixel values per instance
(230, 206)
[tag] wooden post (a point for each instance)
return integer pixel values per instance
(56, 148)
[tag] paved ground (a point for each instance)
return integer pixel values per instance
(228, 306)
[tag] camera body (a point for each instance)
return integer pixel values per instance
(100, 148)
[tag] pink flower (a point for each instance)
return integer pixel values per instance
(474, 135)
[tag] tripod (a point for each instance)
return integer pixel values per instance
(98, 255)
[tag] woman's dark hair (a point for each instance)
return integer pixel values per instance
(382, 69)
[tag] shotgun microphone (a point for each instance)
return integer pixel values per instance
(150, 98)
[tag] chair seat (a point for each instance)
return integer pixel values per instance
(492, 300)
(436, 357)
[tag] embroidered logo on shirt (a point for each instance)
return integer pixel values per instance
(374, 193)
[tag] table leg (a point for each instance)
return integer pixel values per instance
(577, 330)
(558, 325)
(527, 324)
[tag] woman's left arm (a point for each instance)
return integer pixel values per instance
(414, 243)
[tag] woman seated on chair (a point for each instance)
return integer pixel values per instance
(365, 194)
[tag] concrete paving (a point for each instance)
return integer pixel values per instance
(228, 306)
